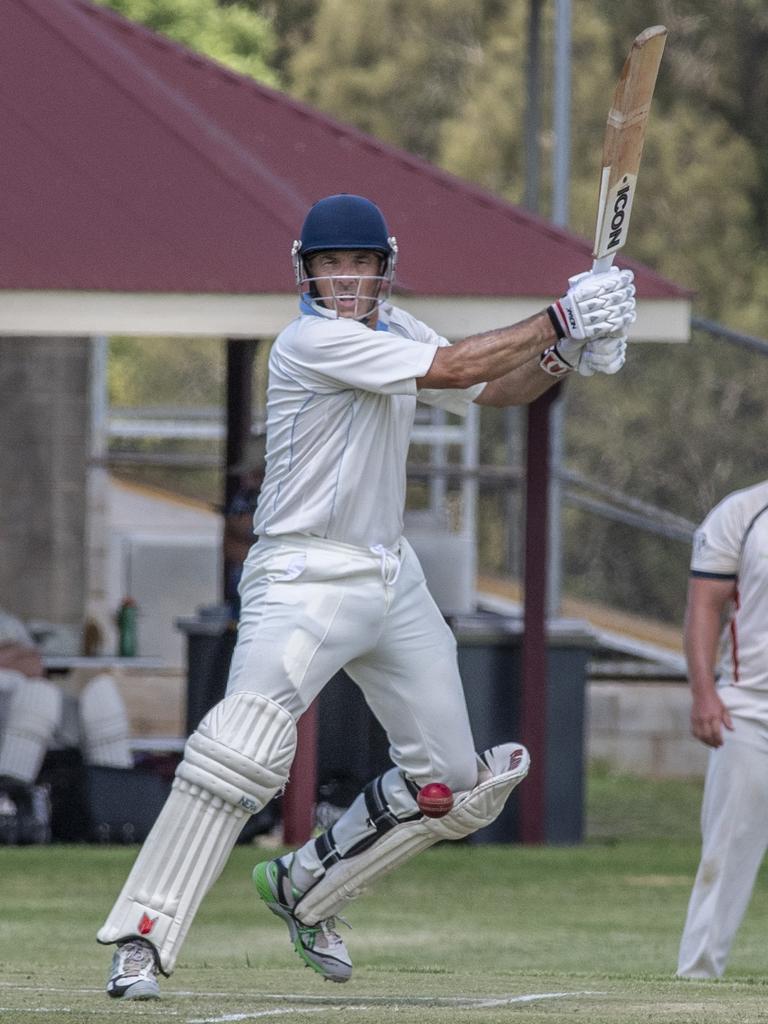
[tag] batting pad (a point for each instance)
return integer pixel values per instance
(104, 725)
(234, 763)
(34, 714)
(500, 770)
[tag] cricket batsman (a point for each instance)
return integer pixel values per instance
(330, 583)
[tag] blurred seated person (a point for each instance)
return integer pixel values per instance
(238, 518)
(37, 714)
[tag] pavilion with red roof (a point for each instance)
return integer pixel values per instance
(147, 189)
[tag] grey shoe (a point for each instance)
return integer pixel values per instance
(319, 945)
(134, 970)
(9, 821)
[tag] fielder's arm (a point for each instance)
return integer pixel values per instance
(706, 604)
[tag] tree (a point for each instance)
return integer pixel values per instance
(291, 22)
(233, 35)
(719, 62)
(390, 67)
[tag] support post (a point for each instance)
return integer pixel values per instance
(241, 353)
(300, 794)
(533, 704)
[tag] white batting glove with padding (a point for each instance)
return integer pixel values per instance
(595, 304)
(600, 355)
(603, 355)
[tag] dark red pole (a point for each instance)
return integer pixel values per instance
(300, 794)
(533, 703)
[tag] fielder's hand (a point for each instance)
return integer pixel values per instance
(595, 304)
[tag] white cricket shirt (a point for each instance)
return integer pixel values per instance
(340, 407)
(732, 543)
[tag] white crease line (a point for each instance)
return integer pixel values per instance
(507, 1000)
(277, 1012)
(465, 1002)
(460, 1002)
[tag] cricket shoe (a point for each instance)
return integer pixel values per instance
(9, 821)
(318, 945)
(134, 970)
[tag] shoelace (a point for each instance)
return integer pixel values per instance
(136, 958)
(328, 928)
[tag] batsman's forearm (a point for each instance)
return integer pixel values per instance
(490, 355)
(518, 387)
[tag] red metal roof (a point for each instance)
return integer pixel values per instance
(133, 164)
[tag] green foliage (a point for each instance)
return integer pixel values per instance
(291, 22)
(719, 62)
(392, 68)
(233, 35)
(148, 371)
(482, 138)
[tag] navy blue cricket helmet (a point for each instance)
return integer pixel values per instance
(344, 221)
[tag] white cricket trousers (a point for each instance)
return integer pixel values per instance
(734, 829)
(311, 607)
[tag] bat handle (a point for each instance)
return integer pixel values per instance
(604, 263)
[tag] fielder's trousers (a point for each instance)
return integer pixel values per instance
(734, 827)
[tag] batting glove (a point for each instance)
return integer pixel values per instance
(603, 355)
(595, 304)
(562, 357)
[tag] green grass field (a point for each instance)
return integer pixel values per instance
(474, 934)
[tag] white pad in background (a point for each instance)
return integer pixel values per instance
(34, 714)
(233, 765)
(500, 770)
(104, 727)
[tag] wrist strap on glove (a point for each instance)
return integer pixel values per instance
(553, 363)
(557, 323)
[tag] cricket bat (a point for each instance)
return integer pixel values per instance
(623, 144)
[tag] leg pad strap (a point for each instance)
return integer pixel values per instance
(500, 770)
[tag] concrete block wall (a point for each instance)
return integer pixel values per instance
(643, 728)
(44, 438)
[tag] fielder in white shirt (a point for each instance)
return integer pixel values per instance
(726, 643)
(331, 584)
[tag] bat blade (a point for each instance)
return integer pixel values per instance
(623, 143)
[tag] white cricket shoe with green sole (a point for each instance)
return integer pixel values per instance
(319, 945)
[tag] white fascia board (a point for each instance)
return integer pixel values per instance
(79, 314)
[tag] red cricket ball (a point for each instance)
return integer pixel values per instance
(435, 799)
